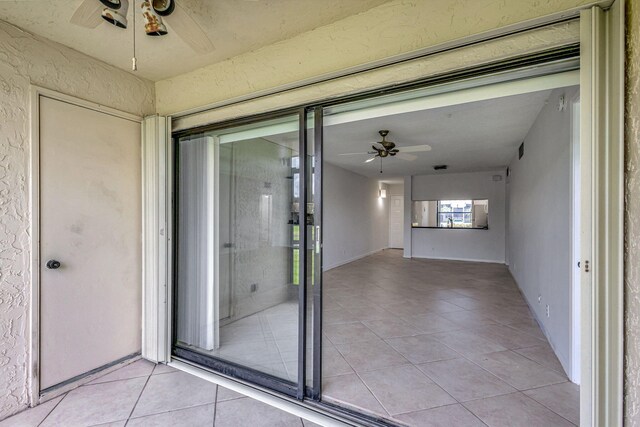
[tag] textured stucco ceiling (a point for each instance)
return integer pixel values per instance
(234, 27)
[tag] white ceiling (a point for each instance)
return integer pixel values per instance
(234, 27)
(476, 136)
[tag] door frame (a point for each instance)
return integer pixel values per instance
(601, 56)
(35, 93)
(217, 364)
(575, 265)
(391, 196)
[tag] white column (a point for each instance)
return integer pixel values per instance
(407, 215)
(155, 242)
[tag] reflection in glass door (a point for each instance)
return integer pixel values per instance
(238, 283)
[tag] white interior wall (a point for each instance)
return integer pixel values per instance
(355, 219)
(25, 60)
(461, 244)
(539, 205)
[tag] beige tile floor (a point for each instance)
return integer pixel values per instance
(439, 343)
(266, 341)
(145, 394)
(417, 342)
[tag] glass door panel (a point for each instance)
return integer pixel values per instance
(238, 249)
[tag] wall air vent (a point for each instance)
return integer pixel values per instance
(440, 167)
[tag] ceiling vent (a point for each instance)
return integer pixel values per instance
(440, 167)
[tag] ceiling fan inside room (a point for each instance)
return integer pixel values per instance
(91, 13)
(384, 148)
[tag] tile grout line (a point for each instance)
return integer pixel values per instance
(536, 400)
(522, 393)
(215, 406)
(52, 409)
(474, 414)
(535, 361)
(373, 394)
(122, 379)
(444, 406)
(170, 411)
(461, 402)
(362, 381)
(139, 396)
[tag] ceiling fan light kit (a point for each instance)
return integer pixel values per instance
(153, 24)
(90, 13)
(163, 7)
(115, 12)
(386, 149)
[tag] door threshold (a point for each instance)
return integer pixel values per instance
(75, 382)
(321, 413)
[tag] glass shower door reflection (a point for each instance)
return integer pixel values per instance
(238, 221)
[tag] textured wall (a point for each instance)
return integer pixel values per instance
(632, 217)
(27, 59)
(393, 28)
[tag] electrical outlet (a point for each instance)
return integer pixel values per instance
(547, 307)
(539, 299)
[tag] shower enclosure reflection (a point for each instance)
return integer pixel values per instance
(237, 283)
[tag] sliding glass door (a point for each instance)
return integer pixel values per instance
(245, 251)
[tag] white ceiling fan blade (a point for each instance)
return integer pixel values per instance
(188, 30)
(370, 160)
(415, 148)
(353, 154)
(88, 14)
(409, 157)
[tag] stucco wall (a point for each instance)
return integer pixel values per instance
(26, 59)
(394, 28)
(632, 218)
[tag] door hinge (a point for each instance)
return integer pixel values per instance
(586, 266)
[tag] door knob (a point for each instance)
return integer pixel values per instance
(52, 264)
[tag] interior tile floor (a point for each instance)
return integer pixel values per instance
(145, 394)
(266, 341)
(417, 342)
(433, 342)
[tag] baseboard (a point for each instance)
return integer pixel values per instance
(75, 382)
(540, 323)
(355, 258)
(491, 261)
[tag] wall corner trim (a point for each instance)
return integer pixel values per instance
(602, 140)
(156, 235)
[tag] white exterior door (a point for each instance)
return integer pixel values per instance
(90, 222)
(396, 222)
